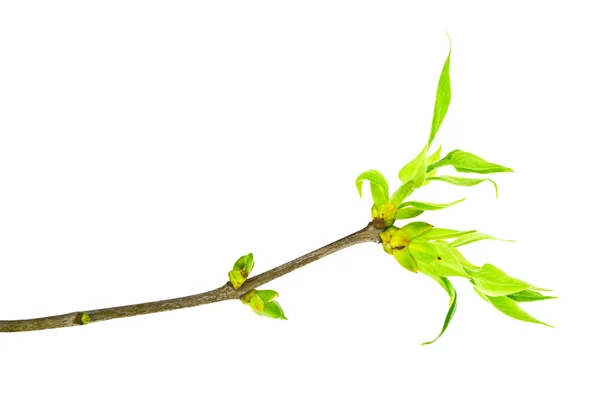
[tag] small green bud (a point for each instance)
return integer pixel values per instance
(386, 235)
(240, 271)
(263, 303)
(244, 263)
(237, 278)
(83, 318)
(245, 298)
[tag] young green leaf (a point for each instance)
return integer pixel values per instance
(435, 156)
(459, 256)
(423, 251)
(475, 237)
(249, 264)
(272, 310)
(405, 259)
(446, 264)
(416, 229)
(408, 212)
(267, 295)
(430, 160)
(402, 193)
(442, 233)
(427, 206)
(511, 308)
(415, 170)
(467, 162)
(379, 185)
(458, 181)
(256, 303)
(442, 98)
(492, 281)
(449, 288)
(244, 265)
(529, 295)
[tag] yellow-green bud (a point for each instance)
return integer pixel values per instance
(383, 215)
(237, 278)
(256, 303)
(83, 318)
(399, 240)
(245, 298)
(385, 237)
(240, 271)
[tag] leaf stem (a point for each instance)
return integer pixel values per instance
(226, 292)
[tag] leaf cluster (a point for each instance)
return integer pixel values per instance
(418, 246)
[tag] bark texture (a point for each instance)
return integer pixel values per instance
(226, 292)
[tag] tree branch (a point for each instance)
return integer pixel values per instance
(226, 292)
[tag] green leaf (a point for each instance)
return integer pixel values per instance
(442, 233)
(405, 259)
(379, 186)
(449, 288)
(467, 162)
(540, 289)
(447, 263)
(529, 295)
(442, 98)
(249, 264)
(267, 295)
(459, 181)
(427, 206)
(492, 281)
(256, 303)
(416, 229)
(423, 251)
(402, 193)
(474, 237)
(430, 160)
(273, 310)
(511, 308)
(435, 156)
(459, 256)
(240, 263)
(407, 213)
(415, 170)
(244, 263)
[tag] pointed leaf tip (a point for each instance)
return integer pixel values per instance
(442, 98)
(460, 181)
(463, 161)
(449, 288)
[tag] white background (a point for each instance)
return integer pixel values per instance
(145, 146)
